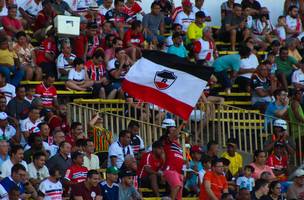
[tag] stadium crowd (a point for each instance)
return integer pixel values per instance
(44, 157)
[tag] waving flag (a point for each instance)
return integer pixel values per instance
(167, 81)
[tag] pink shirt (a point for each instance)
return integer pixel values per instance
(7, 21)
(258, 171)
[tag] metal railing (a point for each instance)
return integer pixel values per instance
(207, 122)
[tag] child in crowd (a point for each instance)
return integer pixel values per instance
(178, 48)
(78, 78)
(109, 187)
(280, 29)
(206, 161)
(126, 188)
(246, 181)
(195, 165)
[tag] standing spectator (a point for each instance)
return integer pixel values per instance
(246, 181)
(186, 16)
(61, 160)
(215, 182)
(278, 108)
(126, 188)
(298, 77)
(105, 7)
(51, 188)
(18, 107)
(16, 157)
(236, 159)
(7, 131)
(3, 152)
(153, 24)
(65, 61)
(58, 137)
(149, 166)
(137, 142)
(109, 187)
(90, 160)
(178, 48)
(261, 189)
(10, 23)
(119, 149)
(85, 189)
(47, 92)
(259, 165)
(102, 138)
(296, 189)
(37, 169)
(195, 29)
(234, 27)
(293, 22)
(233, 62)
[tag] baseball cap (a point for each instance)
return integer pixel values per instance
(196, 149)
(3, 116)
(112, 170)
(126, 173)
(187, 3)
(299, 173)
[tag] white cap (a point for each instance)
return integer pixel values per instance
(168, 123)
(299, 173)
(3, 116)
(280, 123)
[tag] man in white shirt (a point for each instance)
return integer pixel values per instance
(198, 6)
(7, 89)
(37, 169)
(65, 60)
(90, 160)
(30, 8)
(293, 23)
(29, 125)
(119, 149)
(186, 16)
(6, 130)
(207, 48)
(51, 188)
(298, 77)
(105, 7)
(15, 157)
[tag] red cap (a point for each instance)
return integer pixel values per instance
(196, 149)
(187, 3)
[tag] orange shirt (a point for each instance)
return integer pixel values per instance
(218, 185)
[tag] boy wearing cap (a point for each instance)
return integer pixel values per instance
(109, 187)
(296, 190)
(126, 188)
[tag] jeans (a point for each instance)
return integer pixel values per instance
(223, 79)
(17, 74)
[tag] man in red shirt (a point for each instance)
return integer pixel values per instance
(80, 43)
(75, 134)
(215, 183)
(76, 173)
(58, 122)
(45, 16)
(47, 92)
(149, 166)
(134, 37)
(10, 23)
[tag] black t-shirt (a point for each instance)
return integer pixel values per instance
(231, 20)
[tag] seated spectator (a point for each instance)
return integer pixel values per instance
(275, 191)
(149, 166)
(248, 18)
(10, 23)
(195, 29)
(37, 169)
(195, 166)
(254, 6)
(26, 55)
(236, 159)
(234, 27)
(212, 150)
(119, 149)
(259, 165)
(137, 142)
(59, 121)
(28, 125)
(7, 89)
(243, 194)
(85, 189)
(277, 161)
(65, 61)
(9, 63)
(226, 9)
(280, 28)
(261, 88)
(61, 160)
(263, 29)
(178, 48)
(105, 7)
(186, 16)
(296, 189)
(110, 52)
(206, 162)
(298, 3)
(133, 37)
(261, 189)
(176, 28)
(292, 45)
(75, 134)
(153, 24)
(60, 7)
(4, 145)
(198, 6)
(47, 92)
(205, 49)
(96, 70)
(109, 187)
(58, 137)
(34, 145)
(90, 160)
(102, 137)
(293, 23)
(48, 185)
(7, 131)
(29, 11)
(16, 157)
(126, 187)
(132, 9)
(298, 77)
(93, 39)
(78, 78)
(215, 182)
(246, 181)
(278, 108)
(233, 62)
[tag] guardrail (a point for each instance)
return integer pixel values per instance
(207, 122)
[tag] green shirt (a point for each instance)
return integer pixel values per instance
(296, 127)
(285, 66)
(223, 63)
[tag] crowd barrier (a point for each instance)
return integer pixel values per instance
(207, 122)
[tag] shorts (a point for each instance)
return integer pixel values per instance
(174, 179)
(225, 36)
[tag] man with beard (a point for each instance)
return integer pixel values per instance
(58, 121)
(293, 25)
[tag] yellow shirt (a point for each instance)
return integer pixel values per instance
(7, 57)
(236, 162)
(295, 54)
(195, 32)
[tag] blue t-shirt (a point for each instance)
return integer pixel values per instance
(271, 109)
(193, 179)
(109, 193)
(244, 182)
(8, 184)
(179, 51)
(223, 63)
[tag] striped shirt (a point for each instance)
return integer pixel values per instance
(102, 139)
(76, 174)
(50, 190)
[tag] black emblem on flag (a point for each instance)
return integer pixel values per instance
(164, 79)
